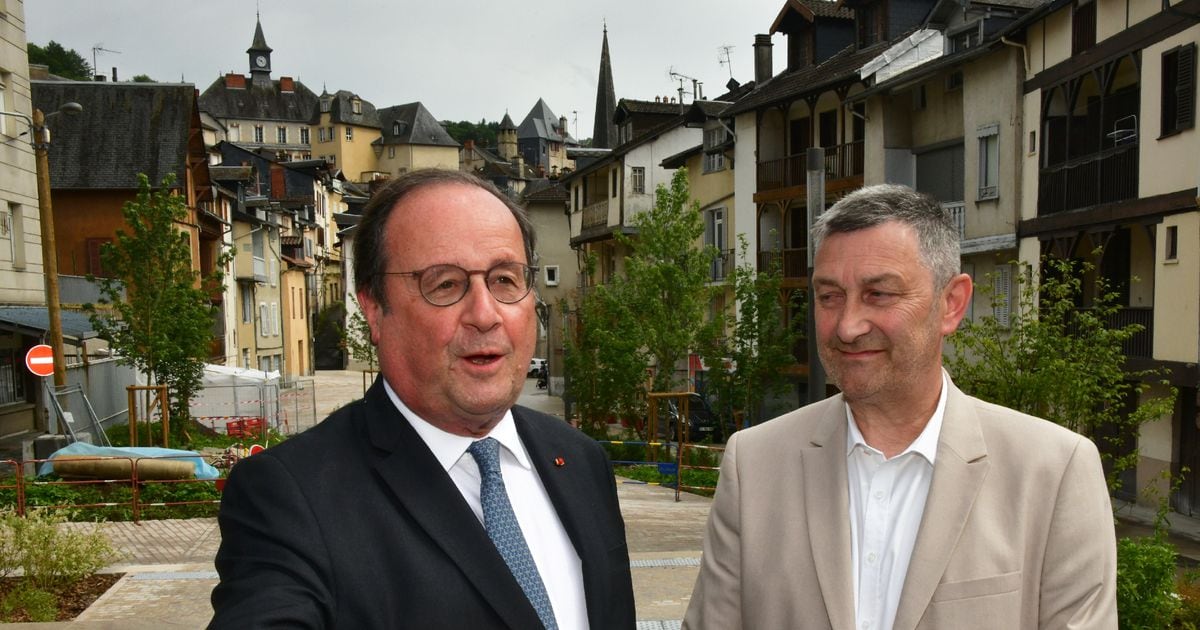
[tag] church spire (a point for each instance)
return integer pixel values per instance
(604, 132)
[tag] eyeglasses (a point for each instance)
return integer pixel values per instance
(445, 285)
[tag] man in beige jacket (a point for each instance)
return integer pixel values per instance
(902, 502)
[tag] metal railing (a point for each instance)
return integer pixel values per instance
(1103, 177)
(795, 261)
(722, 264)
(1141, 344)
(958, 214)
(841, 161)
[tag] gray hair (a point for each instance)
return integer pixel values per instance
(370, 257)
(867, 207)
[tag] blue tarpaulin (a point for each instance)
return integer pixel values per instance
(203, 469)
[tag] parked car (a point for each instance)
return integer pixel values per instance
(703, 423)
(535, 366)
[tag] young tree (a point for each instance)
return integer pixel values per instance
(747, 366)
(157, 312)
(357, 338)
(604, 360)
(63, 62)
(666, 278)
(1060, 362)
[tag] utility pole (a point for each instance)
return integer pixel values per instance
(41, 149)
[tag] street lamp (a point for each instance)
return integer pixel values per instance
(40, 140)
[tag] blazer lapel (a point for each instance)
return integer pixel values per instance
(573, 500)
(827, 508)
(958, 475)
(420, 484)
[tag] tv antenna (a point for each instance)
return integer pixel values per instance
(697, 91)
(724, 58)
(99, 48)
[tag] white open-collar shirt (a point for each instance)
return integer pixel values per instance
(551, 548)
(887, 500)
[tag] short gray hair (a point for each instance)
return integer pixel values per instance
(867, 207)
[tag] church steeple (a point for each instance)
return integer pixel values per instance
(260, 57)
(604, 132)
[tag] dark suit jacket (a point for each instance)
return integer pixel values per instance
(354, 524)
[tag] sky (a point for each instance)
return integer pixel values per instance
(464, 60)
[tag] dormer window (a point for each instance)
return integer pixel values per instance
(325, 102)
(398, 127)
(962, 40)
(869, 23)
(356, 105)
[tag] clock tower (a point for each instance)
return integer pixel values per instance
(260, 58)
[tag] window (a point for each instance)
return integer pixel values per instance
(870, 23)
(551, 275)
(1083, 26)
(258, 133)
(94, 247)
(246, 358)
(918, 98)
(12, 376)
(954, 81)
(637, 180)
(349, 133)
(714, 236)
(1178, 89)
(613, 177)
(1171, 247)
(356, 105)
(4, 98)
(246, 292)
(1033, 142)
(281, 135)
(321, 135)
(714, 158)
(304, 135)
(17, 234)
(275, 318)
(965, 39)
(264, 364)
(264, 320)
(391, 151)
(989, 161)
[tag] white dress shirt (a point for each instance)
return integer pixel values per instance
(887, 500)
(555, 556)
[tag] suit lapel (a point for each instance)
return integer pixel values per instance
(958, 475)
(420, 484)
(827, 508)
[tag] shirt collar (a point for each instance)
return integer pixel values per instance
(926, 443)
(447, 447)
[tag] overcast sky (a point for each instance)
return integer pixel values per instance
(465, 60)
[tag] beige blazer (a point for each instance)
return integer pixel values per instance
(1017, 530)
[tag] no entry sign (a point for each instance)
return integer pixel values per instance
(40, 360)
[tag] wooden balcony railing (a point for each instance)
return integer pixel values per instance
(1140, 345)
(843, 160)
(1107, 176)
(595, 215)
(795, 261)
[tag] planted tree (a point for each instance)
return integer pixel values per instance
(64, 62)
(357, 338)
(747, 355)
(156, 311)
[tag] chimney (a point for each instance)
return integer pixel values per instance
(469, 145)
(287, 84)
(657, 99)
(763, 66)
(39, 71)
(235, 81)
(115, 74)
(519, 163)
(562, 126)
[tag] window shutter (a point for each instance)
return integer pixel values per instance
(1185, 87)
(1003, 295)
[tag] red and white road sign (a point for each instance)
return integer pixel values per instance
(40, 360)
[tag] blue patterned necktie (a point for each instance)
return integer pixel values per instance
(504, 530)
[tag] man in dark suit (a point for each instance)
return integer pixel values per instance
(433, 502)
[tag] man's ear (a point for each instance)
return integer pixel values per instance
(372, 311)
(956, 297)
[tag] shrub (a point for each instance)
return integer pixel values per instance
(1146, 595)
(38, 605)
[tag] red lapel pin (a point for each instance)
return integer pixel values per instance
(560, 462)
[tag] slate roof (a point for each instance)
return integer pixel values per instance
(341, 110)
(506, 123)
(604, 130)
(542, 123)
(809, 10)
(545, 190)
(634, 106)
(259, 103)
(788, 85)
(124, 129)
(260, 43)
(416, 126)
(37, 319)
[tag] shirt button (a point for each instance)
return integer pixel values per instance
(871, 558)
(878, 495)
(866, 625)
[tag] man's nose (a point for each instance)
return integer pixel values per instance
(481, 309)
(852, 322)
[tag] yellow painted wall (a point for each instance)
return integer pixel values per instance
(1177, 291)
(1167, 164)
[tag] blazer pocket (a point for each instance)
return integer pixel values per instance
(981, 587)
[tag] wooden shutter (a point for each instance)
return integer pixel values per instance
(1185, 87)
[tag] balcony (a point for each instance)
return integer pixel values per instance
(795, 261)
(958, 215)
(1141, 344)
(595, 215)
(722, 264)
(841, 161)
(1104, 177)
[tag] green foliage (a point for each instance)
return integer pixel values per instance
(142, 78)
(50, 555)
(163, 324)
(63, 62)
(749, 365)
(38, 605)
(49, 493)
(648, 320)
(694, 479)
(357, 338)
(483, 133)
(1058, 361)
(1145, 583)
